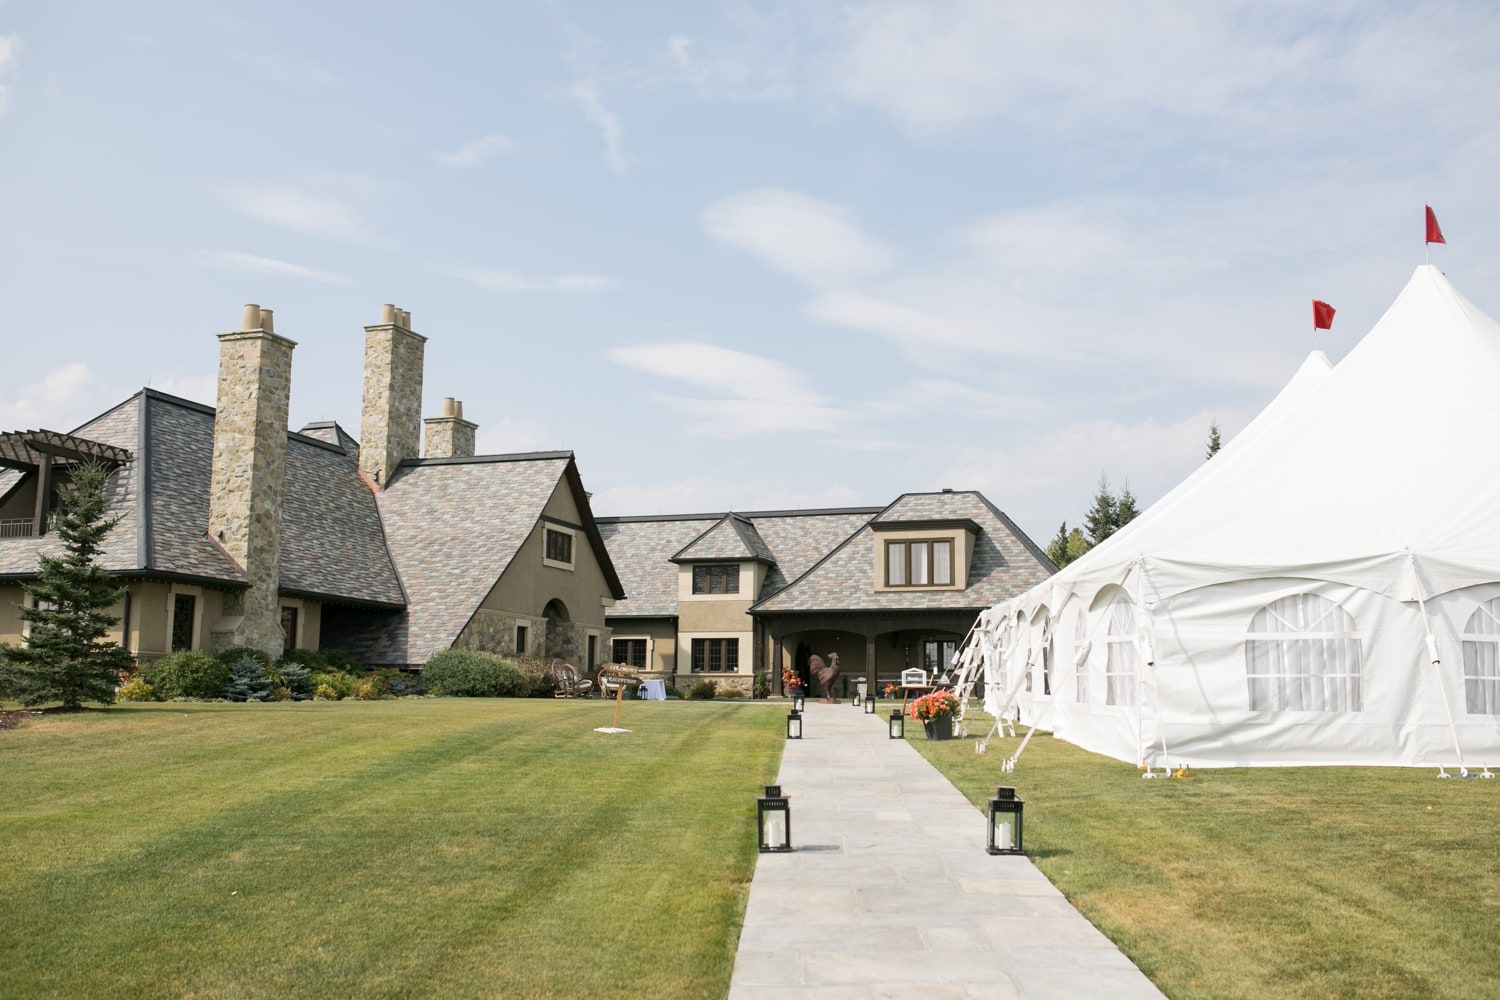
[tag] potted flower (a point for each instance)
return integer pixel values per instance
(935, 712)
(789, 679)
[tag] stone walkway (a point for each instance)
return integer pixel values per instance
(889, 893)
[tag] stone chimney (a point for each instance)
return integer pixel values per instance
(449, 436)
(390, 425)
(249, 473)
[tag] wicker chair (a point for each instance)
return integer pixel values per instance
(566, 683)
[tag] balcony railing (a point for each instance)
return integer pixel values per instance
(17, 527)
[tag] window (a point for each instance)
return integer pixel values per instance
(183, 608)
(288, 628)
(520, 640)
(630, 651)
(1482, 660)
(937, 656)
(1303, 656)
(1122, 662)
(716, 579)
(716, 656)
(919, 563)
(559, 546)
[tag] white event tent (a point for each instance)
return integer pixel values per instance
(1325, 590)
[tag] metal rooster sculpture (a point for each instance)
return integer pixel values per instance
(826, 673)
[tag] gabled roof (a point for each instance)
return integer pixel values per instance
(332, 432)
(1005, 562)
(733, 537)
(789, 540)
(332, 545)
(453, 526)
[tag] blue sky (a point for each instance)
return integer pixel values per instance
(745, 255)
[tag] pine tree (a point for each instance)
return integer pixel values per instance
(1057, 549)
(1102, 519)
(66, 657)
(1125, 507)
(1213, 439)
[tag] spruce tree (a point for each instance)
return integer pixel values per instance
(248, 681)
(1125, 507)
(1213, 439)
(66, 656)
(1057, 549)
(1102, 518)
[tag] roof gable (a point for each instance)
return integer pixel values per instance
(733, 538)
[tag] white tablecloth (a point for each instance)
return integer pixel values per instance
(652, 690)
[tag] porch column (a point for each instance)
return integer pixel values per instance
(43, 495)
(776, 664)
(870, 665)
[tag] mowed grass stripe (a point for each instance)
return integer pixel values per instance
(1264, 882)
(394, 849)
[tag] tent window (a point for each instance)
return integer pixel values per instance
(1081, 659)
(1482, 660)
(1303, 656)
(1123, 662)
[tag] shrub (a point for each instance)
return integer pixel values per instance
(703, 691)
(248, 680)
(732, 693)
(675, 692)
(538, 677)
(762, 684)
(294, 679)
(234, 654)
(337, 659)
(332, 685)
(135, 689)
(187, 673)
(326, 692)
(468, 673)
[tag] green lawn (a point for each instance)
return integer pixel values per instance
(1264, 882)
(416, 848)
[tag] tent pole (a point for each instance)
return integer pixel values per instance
(1437, 666)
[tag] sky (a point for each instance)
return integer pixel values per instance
(744, 255)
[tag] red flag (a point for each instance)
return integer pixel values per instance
(1322, 315)
(1434, 234)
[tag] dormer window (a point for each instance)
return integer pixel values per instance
(918, 562)
(717, 579)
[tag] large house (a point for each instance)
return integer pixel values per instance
(726, 596)
(234, 531)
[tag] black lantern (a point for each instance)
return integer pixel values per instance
(773, 820)
(798, 699)
(869, 704)
(1004, 835)
(898, 725)
(794, 725)
(859, 697)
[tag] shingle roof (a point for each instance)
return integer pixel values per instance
(640, 548)
(733, 537)
(1004, 563)
(453, 527)
(791, 540)
(332, 544)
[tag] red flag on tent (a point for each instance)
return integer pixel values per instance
(1322, 315)
(1434, 234)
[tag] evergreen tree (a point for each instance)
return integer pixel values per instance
(66, 657)
(1125, 507)
(1102, 518)
(1213, 439)
(248, 681)
(1067, 546)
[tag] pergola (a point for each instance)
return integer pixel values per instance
(38, 451)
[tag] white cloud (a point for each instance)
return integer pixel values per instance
(586, 94)
(59, 402)
(813, 241)
(750, 394)
(236, 261)
(506, 280)
(476, 151)
(716, 494)
(757, 64)
(301, 210)
(10, 47)
(199, 388)
(512, 435)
